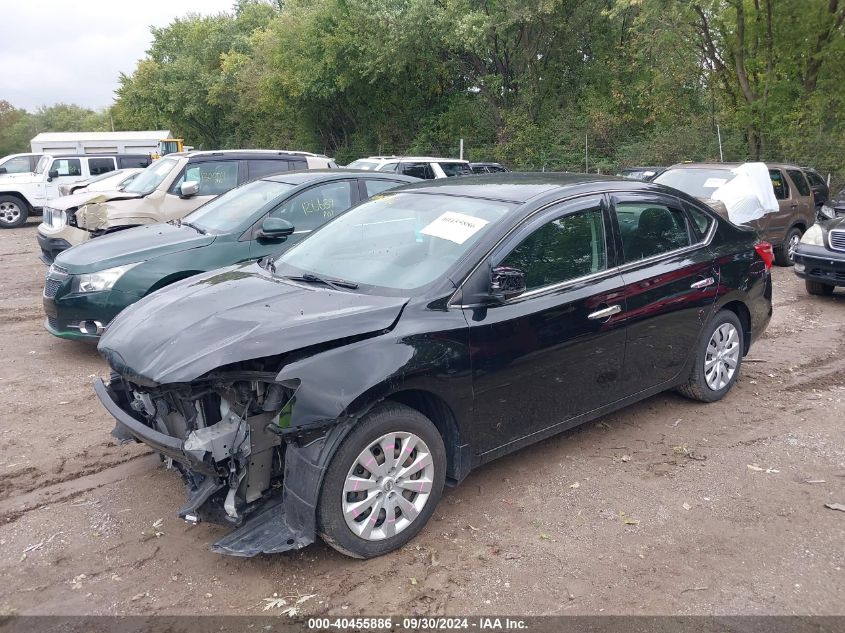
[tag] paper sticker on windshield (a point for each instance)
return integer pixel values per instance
(714, 183)
(455, 227)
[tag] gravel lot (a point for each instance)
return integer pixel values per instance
(666, 507)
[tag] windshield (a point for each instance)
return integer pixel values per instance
(398, 241)
(151, 177)
(42, 164)
(229, 211)
(700, 183)
(362, 164)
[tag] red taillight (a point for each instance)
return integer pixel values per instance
(766, 253)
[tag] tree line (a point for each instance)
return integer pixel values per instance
(535, 84)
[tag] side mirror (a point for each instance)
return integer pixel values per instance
(275, 228)
(2, 170)
(506, 283)
(189, 188)
(53, 173)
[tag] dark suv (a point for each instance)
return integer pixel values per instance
(783, 228)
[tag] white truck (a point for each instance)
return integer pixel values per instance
(24, 193)
(141, 142)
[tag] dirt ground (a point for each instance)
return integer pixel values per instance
(666, 507)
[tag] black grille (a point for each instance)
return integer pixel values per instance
(53, 322)
(837, 240)
(51, 287)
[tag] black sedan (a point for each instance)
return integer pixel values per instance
(820, 256)
(335, 388)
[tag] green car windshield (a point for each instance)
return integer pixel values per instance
(398, 241)
(151, 177)
(235, 207)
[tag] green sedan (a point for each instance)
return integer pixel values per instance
(88, 285)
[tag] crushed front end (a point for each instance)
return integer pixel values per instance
(226, 434)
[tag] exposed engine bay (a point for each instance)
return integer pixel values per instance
(230, 425)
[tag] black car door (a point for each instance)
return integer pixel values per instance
(555, 351)
(671, 281)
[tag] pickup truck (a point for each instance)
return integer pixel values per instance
(22, 194)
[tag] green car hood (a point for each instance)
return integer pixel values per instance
(131, 245)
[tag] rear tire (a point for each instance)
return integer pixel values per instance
(367, 512)
(783, 255)
(718, 359)
(13, 212)
(818, 288)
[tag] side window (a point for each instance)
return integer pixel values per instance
(315, 206)
(214, 177)
(377, 186)
(455, 169)
(260, 168)
(97, 166)
(17, 165)
(567, 248)
(702, 220)
(418, 170)
(799, 180)
(650, 229)
(388, 167)
(815, 179)
(67, 166)
(125, 162)
(779, 184)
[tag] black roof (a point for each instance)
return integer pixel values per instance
(299, 177)
(517, 187)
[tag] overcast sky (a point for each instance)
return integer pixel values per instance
(72, 51)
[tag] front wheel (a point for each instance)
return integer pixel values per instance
(783, 255)
(818, 288)
(717, 359)
(13, 212)
(383, 482)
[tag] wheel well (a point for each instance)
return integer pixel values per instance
(435, 409)
(161, 283)
(801, 225)
(744, 316)
(19, 197)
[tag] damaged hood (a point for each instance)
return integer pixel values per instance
(104, 209)
(233, 314)
(131, 245)
(63, 203)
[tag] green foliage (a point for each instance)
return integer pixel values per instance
(525, 82)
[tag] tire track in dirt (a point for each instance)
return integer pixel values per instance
(58, 489)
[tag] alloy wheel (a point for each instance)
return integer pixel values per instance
(9, 212)
(722, 356)
(794, 240)
(387, 486)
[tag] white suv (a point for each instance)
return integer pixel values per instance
(427, 167)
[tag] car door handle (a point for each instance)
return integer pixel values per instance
(703, 283)
(605, 312)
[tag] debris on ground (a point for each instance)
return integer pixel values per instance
(758, 468)
(154, 531)
(575, 485)
(835, 506)
(689, 453)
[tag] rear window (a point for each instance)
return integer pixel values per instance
(815, 179)
(700, 183)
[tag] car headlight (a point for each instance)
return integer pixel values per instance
(55, 218)
(814, 236)
(827, 211)
(102, 279)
